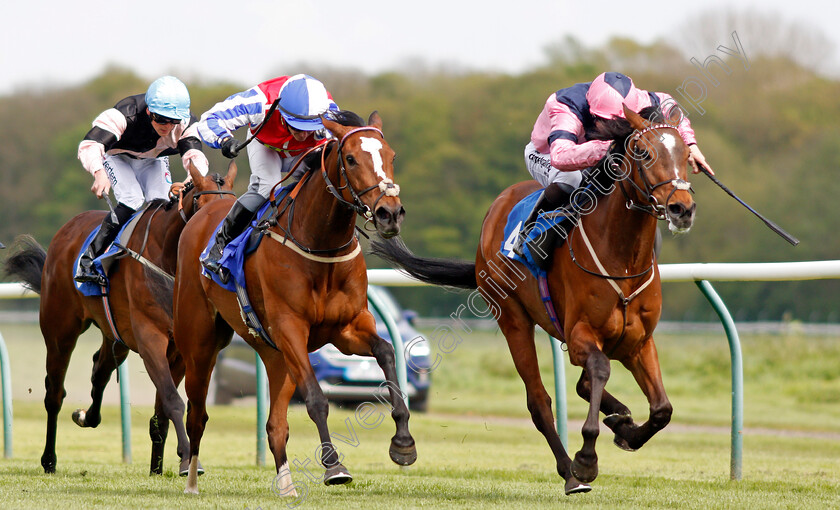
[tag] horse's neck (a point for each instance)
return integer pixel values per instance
(320, 221)
(165, 230)
(622, 238)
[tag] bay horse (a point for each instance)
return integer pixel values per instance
(142, 324)
(308, 289)
(604, 286)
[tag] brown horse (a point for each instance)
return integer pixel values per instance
(307, 289)
(143, 325)
(605, 288)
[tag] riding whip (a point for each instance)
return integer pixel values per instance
(111, 207)
(775, 228)
(264, 122)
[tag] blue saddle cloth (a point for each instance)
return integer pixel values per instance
(517, 216)
(102, 264)
(233, 256)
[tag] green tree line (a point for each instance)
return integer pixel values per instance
(771, 132)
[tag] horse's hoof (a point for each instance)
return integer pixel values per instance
(614, 420)
(79, 417)
(582, 472)
(185, 468)
(575, 486)
(403, 455)
(191, 490)
(623, 444)
(337, 475)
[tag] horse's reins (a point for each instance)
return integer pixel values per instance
(136, 255)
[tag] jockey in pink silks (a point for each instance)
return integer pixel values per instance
(559, 149)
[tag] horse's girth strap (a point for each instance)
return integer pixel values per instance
(317, 258)
(604, 271)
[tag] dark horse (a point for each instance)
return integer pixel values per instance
(307, 282)
(143, 325)
(605, 287)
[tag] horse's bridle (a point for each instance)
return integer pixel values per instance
(190, 185)
(653, 207)
(386, 186)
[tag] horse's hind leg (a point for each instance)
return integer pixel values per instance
(520, 337)
(60, 335)
(645, 369)
(105, 361)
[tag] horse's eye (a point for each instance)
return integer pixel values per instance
(350, 160)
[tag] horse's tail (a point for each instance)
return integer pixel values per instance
(446, 272)
(27, 263)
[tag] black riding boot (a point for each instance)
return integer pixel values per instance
(555, 195)
(234, 224)
(106, 235)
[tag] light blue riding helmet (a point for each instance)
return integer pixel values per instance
(302, 100)
(168, 96)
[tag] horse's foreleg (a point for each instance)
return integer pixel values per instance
(520, 338)
(361, 339)
(281, 388)
(153, 350)
(159, 423)
(158, 431)
(645, 369)
(616, 413)
(597, 367)
(402, 450)
(293, 333)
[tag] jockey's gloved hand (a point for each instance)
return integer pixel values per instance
(231, 147)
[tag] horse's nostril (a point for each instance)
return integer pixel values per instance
(382, 214)
(676, 210)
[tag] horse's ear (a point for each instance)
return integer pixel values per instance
(194, 173)
(231, 174)
(375, 120)
(334, 127)
(636, 121)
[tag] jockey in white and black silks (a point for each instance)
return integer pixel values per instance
(128, 150)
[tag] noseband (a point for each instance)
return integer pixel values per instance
(653, 207)
(386, 186)
(189, 186)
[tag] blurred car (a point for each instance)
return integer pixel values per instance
(342, 378)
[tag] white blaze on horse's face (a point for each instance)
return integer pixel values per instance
(373, 146)
(670, 143)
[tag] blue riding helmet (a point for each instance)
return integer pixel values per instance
(168, 96)
(302, 100)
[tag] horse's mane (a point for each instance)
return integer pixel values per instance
(619, 129)
(346, 118)
(343, 117)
